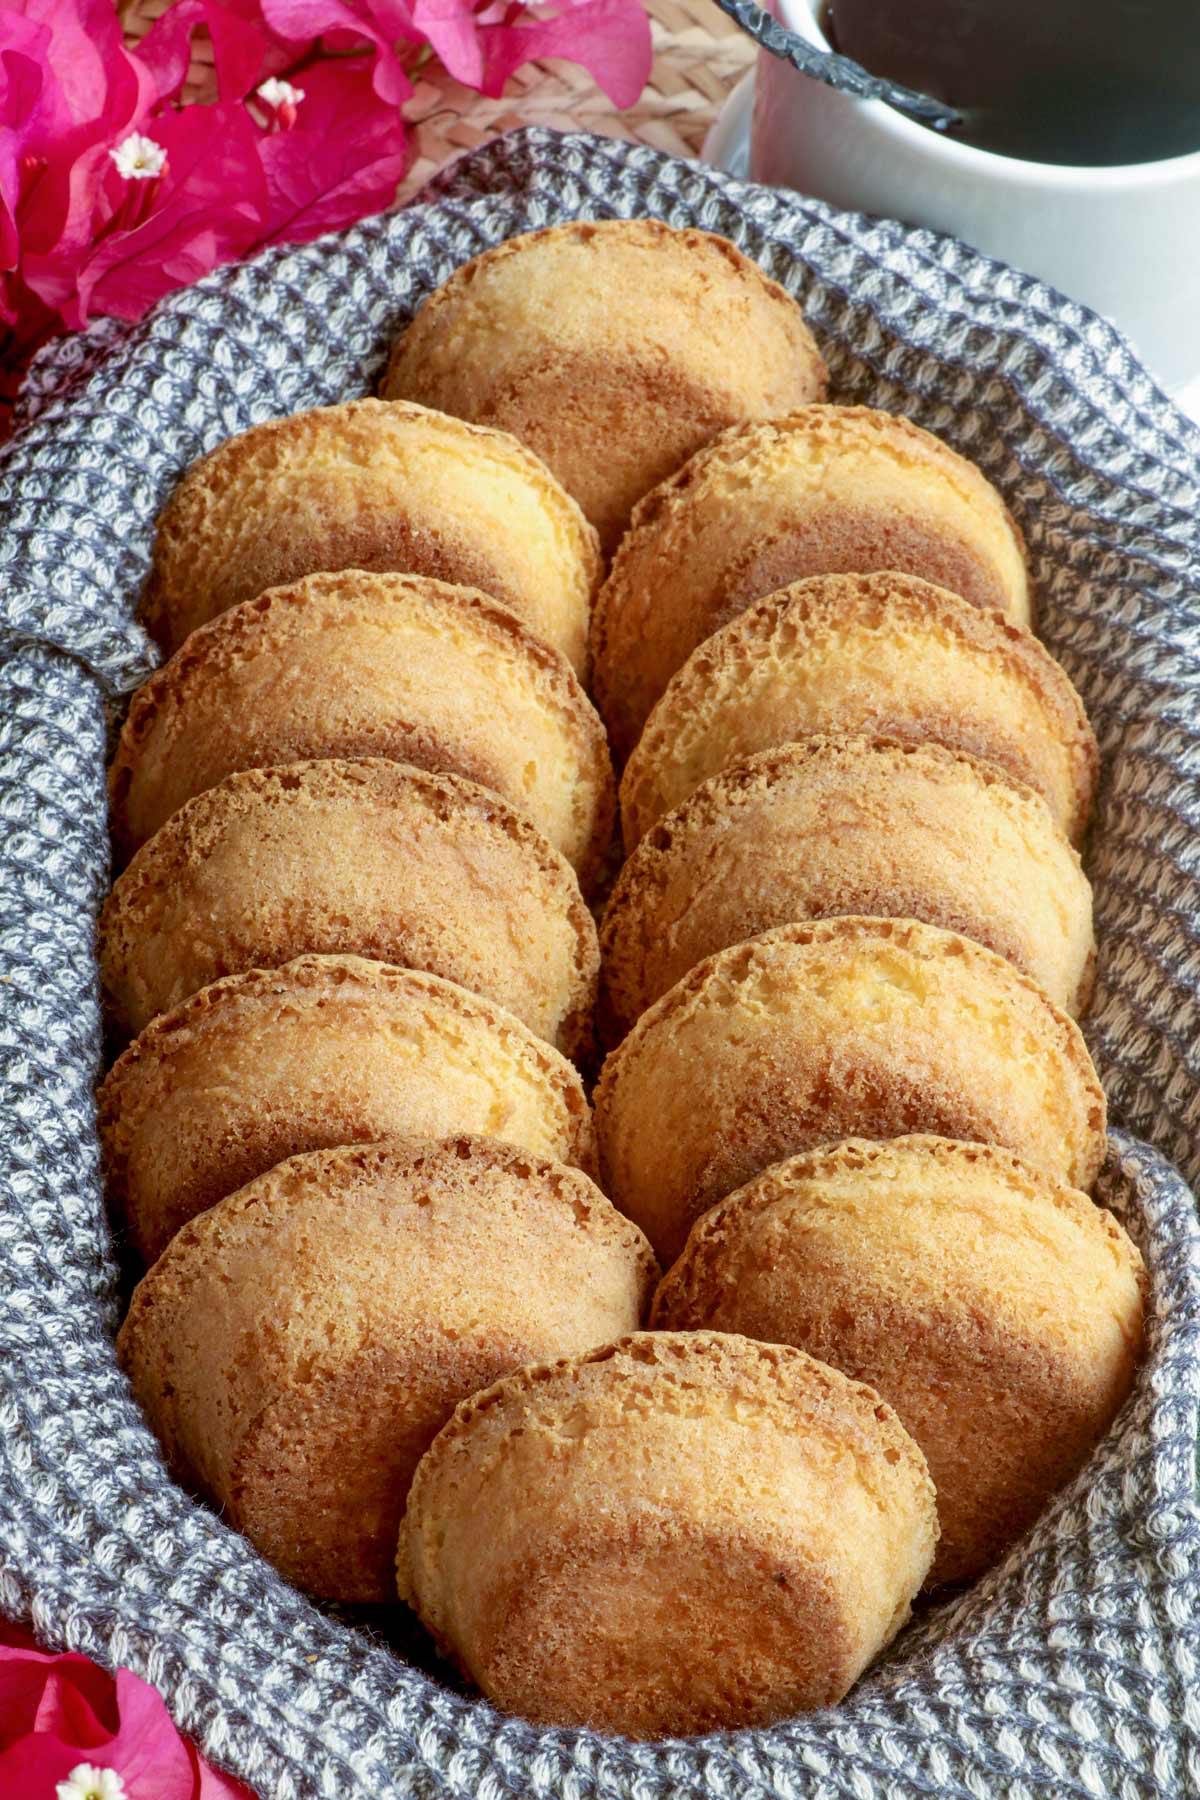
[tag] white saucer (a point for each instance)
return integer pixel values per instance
(727, 146)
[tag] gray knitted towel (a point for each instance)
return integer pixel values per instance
(1071, 1670)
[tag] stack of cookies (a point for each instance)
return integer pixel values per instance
(398, 1273)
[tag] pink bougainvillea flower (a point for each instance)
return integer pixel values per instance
(483, 45)
(154, 221)
(85, 49)
(242, 47)
(25, 96)
(63, 1719)
(100, 94)
(481, 42)
(336, 155)
(113, 192)
(207, 206)
(343, 24)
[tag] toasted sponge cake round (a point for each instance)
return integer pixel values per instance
(376, 485)
(372, 858)
(605, 346)
(849, 1027)
(849, 825)
(355, 664)
(885, 654)
(297, 1347)
(326, 1050)
(675, 1533)
(824, 490)
(998, 1311)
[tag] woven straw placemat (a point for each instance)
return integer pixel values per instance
(698, 56)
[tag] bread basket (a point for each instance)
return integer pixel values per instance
(1068, 1671)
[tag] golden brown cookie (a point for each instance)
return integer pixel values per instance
(355, 664)
(885, 654)
(369, 858)
(675, 1533)
(327, 1050)
(825, 490)
(849, 825)
(842, 1028)
(377, 485)
(998, 1311)
(614, 349)
(297, 1347)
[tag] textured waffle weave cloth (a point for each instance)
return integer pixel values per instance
(1072, 1669)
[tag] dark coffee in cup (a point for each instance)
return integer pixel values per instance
(1063, 81)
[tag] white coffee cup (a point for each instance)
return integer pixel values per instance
(1125, 240)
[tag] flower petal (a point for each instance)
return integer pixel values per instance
(609, 38)
(86, 53)
(101, 95)
(58, 1694)
(383, 23)
(212, 1785)
(32, 110)
(148, 1750)
(209, 207)
(60, 1711)
(241, 47)
(453, 30)
(73, 1703)
(35, 1765)
(343, 158)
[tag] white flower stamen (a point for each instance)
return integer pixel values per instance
(274, 92)
(138, 158)
(88, 1782)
